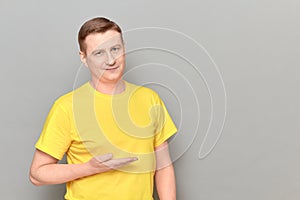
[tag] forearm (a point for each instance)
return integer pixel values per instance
(59, 173)
(165, 183)
(45, 170)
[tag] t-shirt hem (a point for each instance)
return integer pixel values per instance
(47, 151)
(166, 137)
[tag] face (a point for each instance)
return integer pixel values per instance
(104, 56)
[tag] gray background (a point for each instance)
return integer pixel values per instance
(254, 43)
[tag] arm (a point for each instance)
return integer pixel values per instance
(164, 175)
(45, 170)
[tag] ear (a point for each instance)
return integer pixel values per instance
(83, 58)
(124, 46)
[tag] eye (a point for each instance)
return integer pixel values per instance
(99, 53)
(115, 49)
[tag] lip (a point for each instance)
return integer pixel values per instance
(112, 68)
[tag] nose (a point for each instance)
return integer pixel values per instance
(110, 59)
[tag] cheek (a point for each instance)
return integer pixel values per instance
(121, 60)
(95, 64)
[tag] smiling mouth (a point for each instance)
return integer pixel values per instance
(112, 68)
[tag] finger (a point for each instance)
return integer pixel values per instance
(104, 158)
(126, 160)
(119, 162)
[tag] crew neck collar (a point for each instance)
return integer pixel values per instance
(100, 94)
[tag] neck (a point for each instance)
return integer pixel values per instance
(107, 87)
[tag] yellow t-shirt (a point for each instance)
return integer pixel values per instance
(86, 123)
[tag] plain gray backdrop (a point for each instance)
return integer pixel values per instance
(255, 45)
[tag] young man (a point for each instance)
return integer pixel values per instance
(114, 133)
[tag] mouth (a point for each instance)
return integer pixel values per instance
(112, 68)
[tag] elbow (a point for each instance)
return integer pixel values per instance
(34, 181)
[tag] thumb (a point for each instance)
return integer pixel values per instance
(104, 158)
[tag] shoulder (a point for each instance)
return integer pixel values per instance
(144, 94)
(66, 100)
(142, 90)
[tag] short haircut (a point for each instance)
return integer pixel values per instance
(95, 25)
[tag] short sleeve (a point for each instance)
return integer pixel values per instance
(165, 127)
(55, 137)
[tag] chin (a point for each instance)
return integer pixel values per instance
(112, 79)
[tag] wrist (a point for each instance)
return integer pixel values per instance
(88, 169)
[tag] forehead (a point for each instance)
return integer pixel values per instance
(102, 40)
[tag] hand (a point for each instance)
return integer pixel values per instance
(105, 162)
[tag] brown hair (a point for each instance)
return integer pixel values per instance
(95, 25)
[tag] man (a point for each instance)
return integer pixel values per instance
(114, 133)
